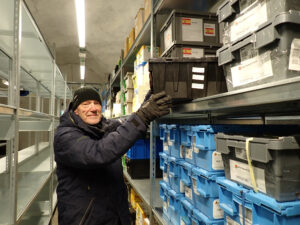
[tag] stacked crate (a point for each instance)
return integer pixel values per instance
(190, 167)
(128, 92)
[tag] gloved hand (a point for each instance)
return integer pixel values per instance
(158, 105)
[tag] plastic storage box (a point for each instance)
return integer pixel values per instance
(141, 149)
(244, 17)
(186, 180)
(164, 189)
(190, 51)
(140, 168)
(165, 137)
(186, 78)
(175, 140)
(241, 205)
(174, 206)
(174, 174)
(191, 28)
(205, 193)
(186, 212)
(275, 163)
(164, 166)
(199, 218)
(270, 54)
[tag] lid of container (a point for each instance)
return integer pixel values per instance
(164, 185)
(187, 204)
(203, 128)
(170, 60)
(213, 175)
(231, 186)
(204, 219)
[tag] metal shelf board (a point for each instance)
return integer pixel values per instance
(279, 97)
(142, 188)
(35, 125)
(26, 114)
(158, 214)
(6, 110)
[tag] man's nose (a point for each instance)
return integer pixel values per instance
(93, 106)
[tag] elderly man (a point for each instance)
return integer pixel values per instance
(88, 150)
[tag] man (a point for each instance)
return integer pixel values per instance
(88, 150)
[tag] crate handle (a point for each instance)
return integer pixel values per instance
(176, 78)
(228, 209)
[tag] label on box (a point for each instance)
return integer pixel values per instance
(181, 187)
(240, 172)
(182, 151)
(209, 29)
(249, 21)
(166, 147)
(198, 69)
(294, 63)
(218, 213)
(188, 193)
(197, 86)
(195, 186)
(165, 177)
(248, 215)
(196, 150)
(230, 221)
(197, 77)
(192, 29)
(217, 162)
(168, 40)
(189, 153)
(251, 70)
(193, 52)
(170, 143)
(181, 221)
(240, 153)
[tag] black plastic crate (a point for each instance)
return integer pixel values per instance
(140, 168)
(275, 162)
(190, 51)
(186, 78)
(190, 28)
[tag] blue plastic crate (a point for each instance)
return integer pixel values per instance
(186, 180)
(164, 195)
(203, 137)
(164, 166)
(140, 150)
(165, 137)
(175, 147)
(186, 212)
(199, 218)
(205, 193)
(256, 208)
(174, 173)
(174, 206)
(185, 135)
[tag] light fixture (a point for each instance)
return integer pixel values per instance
(80, 14)
(82, 72)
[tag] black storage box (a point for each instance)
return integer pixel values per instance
(191, 51)
(140, 168)
(275, 162)
(186, 78)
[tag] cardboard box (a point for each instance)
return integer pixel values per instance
(126, 47)
(131, 37)
(144, 54)
(139, 21)
(147, 7)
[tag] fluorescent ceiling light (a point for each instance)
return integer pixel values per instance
(82, 72)
(5, 82)
(80, 13)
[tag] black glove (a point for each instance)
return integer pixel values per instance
(158, 105)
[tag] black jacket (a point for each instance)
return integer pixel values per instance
(91, 188)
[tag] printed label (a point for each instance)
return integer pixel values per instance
(196, 150)
(197, 86)
(168, 39)
(294, 63)
(165, 206)
(249, 21)
(252, 70)
(248, 215)
(189, 153)
(198, 69)
(230, 221)
(188, 193)
(240, 153)
(198, 77)
(166, 147)
(193, 52)
(170, 143)
(209, 29)
(181, 221)
(181, 187)
(195, 186)
(240, 172)
(192, 29)
(218, 213)
(182, 151)
(165, 177)
(217, 162)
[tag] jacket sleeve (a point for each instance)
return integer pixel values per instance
(74, 149)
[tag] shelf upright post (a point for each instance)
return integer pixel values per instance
(65, 96)
(14, 100)
(38, 109)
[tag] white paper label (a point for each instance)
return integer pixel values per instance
(193, 52)
(294, 63)
(230, 221)
(198, 69)
(251, 70)
(165, 206)
(249, 21)
(170, 143)
(181, 187)
(166, 147)
(209, 29)
(182, 151)
(192, 29)
(240, 172)
(181, 221)
(218, 213)
(188, 153)
(197, 86)
(198, 77)
(217, 162)
(195, 187)
(165, 177)
(188, 193)
(196, 150)
(248, 215)
(168, 37)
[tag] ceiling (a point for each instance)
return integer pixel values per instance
(107, 25)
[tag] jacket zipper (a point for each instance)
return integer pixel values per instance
(86, 211)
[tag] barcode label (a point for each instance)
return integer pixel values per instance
(295, 55)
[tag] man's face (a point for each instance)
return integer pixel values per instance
(89, 111)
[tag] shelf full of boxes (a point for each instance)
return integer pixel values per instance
(201, 182)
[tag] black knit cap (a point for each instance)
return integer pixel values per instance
(84, 94)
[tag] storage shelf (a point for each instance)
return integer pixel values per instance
(158, 213)
(6, 110)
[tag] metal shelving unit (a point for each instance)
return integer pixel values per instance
(29, 110)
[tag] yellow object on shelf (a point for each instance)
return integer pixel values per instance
(139, 21)
(131, 37)
(140, 215)
(134, 199)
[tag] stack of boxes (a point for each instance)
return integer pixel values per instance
(128, 93)
(190, 166)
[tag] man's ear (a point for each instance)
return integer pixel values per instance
(76, 112)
